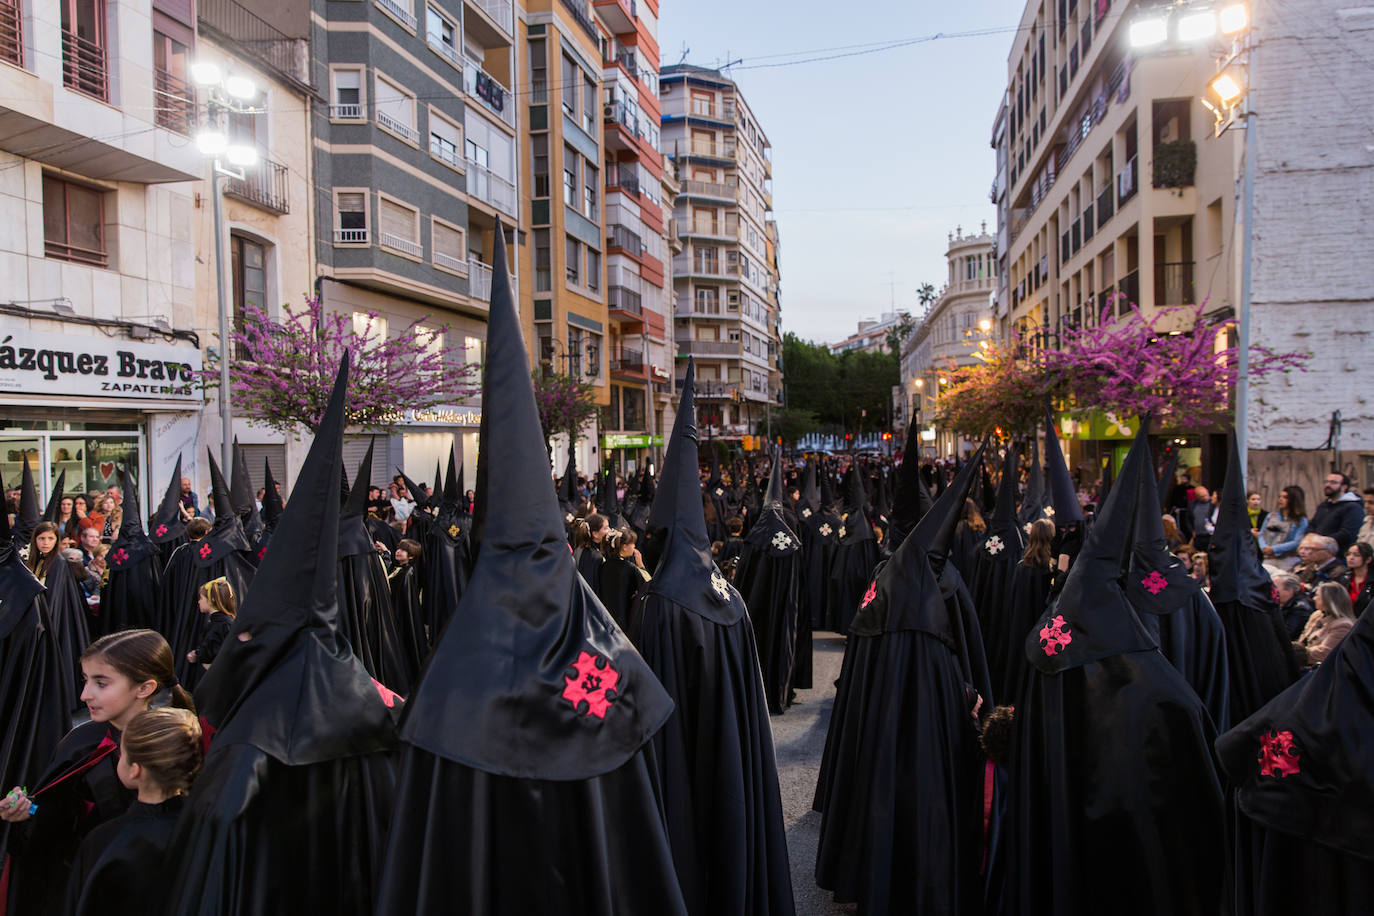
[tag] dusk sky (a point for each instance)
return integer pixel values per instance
(877, 155)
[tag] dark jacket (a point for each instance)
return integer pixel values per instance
(1295, 614)
(1339, 518)
(1332, 570)
(216, 628)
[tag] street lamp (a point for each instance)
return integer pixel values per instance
(226, 95)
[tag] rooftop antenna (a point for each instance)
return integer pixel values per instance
(685, 51)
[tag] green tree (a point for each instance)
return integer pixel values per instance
(791, 423)
(898, 333)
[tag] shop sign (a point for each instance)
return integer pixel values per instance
(1098, 424)
(435, 416)
(35, 362)
(625, 440)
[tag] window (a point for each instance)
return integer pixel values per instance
(396, 111)
(572, 253)
(539, 73)
(248, 274)
(569, 81)
(472, 350)
(539, 149)
(703, 103)
(399, 227)
(543, 261)
(350, 208)
(446, 243)
(708, 299)
(590, 183)
(347, 102)
(588, 105)
(570, 166)
(370, 326)
(576, 340)
(84, 50)
(73, 222)
(445, 140)
(173, 98)
(593, 270)
(704, 220)
(441, 36)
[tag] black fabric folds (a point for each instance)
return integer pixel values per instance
(118, 868)
(165, 527)
(997, 555)
(128, 597)
(448, 557)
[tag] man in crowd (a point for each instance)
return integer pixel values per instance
(189, 503)
(1318, 564)
(1339, 515)
(1294, 604)
(1367, 526)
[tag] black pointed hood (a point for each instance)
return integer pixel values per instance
(294, 689)
(1233, 562)
(1033, 503)
(1158, 582)
(567, 489)
(911, 499)
(166, 524)
(935, 531)
(28, 516)
(436, 489)
(17, 583)
(538, 682)
(226, 534)
(132, 546)
(1063, 496)
(858, 525)
(354, 538)
(272, 507)
(686, 573)
(241, 494)
(53, 510)
(420, 499)
(827, 491)
(771, 534)
(1003, 521)
(775, 494)
(1092, 619)
(453, 481)
(810, 502)
(1166, 482)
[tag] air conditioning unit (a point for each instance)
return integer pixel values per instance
(608, 112)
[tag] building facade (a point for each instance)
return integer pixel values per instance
(101, 339)
(725, 282)
(871, 336)
(960, 323)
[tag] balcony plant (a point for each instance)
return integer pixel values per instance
(1175, 164)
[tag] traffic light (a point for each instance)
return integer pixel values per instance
(887, 437)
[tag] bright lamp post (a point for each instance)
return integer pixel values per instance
(226, 95)
(1227, 26)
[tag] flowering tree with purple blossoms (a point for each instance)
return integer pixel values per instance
(285, 369)
(565, 405)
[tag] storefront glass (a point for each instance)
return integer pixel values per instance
(91, 454)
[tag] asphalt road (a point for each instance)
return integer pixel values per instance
(799, 739)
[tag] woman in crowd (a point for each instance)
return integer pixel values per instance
(113, 517)
(66, 517)
(1327, 626)
(1283, 530)
(116, 872)
(588, 533)
(622, 575)
(43, 550)
(1361, 587)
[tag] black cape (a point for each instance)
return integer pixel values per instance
(448, 558)
(117, 871)
(856, 554)
(67, 613)
(995, 561)
(768, 577)
(404, 584)
(1027, 597)
(128, 596)
(621, 582)
(165, 527)
(179, 618)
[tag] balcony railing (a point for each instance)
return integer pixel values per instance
(1174, 283)
(487, 186)
(387, 240)
(618, 236)
(708, 347)
(1126, 184)
(583, 15)
(263, 185)
(445, 152)
(346, 112)
(1129, 287)
(84, 66)
(625, 178)
(400, 12)
(12, 32)
(397, 127)
(446, 50)
(628, 361)
(350, 236)
(500, 11)
(288, 56)
(1104, 207)
(1089, 224)
(494, 97)
(449, 262)
(479, 280)
(625, 300)
(709, 189)
(174, 101)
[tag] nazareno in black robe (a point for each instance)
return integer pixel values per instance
(291, 810)
(856, 554)
(67, 612)
(1111, 767)
(621, 582)
(901, 782)
(1025, 604)
(994, 566)
(165, 527)
(117, 871)
(717, 774)
(129, 595)
(530, 725)
(1301, 766)
(36, 696)
(404, 584)
(448, 557)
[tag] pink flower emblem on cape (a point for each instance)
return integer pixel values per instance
(590, 685)
(870, 594)
(1055, 636)
(1278, 757)
(1155, 583)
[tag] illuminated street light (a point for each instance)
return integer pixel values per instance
(1233, 18)
(1227, 89)
(1146, 33)
(985, 325)
(241, 156)
(212, 142)
(1197, 26)
(241, 87)
(205, 73)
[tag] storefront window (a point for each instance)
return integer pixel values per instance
(92, 457)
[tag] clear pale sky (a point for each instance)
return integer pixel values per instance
(876, 156)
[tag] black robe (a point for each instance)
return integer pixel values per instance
(620, 582)
(997, 559)
(69, 614)
(589, 562)
(404, 583)
(851, 570)
(901, 782)
(117, 871)
(260, 837)
(820, 537)
(448, 563)
(367, 621)
(768, 578)
(129, 595)
(1193, 639)
(180, 620)
(1027, 597)
(43, 848)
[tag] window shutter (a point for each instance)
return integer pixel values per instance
(398, 221)
(448, 240)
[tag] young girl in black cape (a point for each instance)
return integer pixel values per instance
(622, 577)
(126, 673)
(588, 533)
(116, 868)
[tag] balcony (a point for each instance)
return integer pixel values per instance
(400, 12)
(619, 15)
(582, 15)
(708, 348)
(1129, 288)
(1089, 224)
(350, 236)
(1174, 283)
(491, 188)
(449, 262)
(264, 186)
(401, 244)
(445, 50)
(709, 189)
(228, 19)
(483, 87)
(479, 280)
(625, 179)
(1126, 185)
(1175, 164)
(84, 67)
(12, 32)
(500, 12)
(1104, 207)
(397, 127)
(628, 362)
(623, 299)
(174, 102)
(347, 112)
(618, 236)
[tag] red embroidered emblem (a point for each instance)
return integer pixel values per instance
(389, 696)
(1155, 583)
(119, 556)
(262, 551)
(590, 685)
(1055, 636)
(160, 530)
(1274, 594)
(870, 594)
(1278, 757)
(205, 551)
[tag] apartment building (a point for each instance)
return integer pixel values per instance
(960, 323)
(100, 334)
(869, 335)
(725, 282)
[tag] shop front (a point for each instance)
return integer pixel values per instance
(425, 437)
(91, 406)
(628, 452)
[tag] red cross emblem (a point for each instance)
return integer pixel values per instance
(205, 551)
(870, 594)
(1055, 636)
(1278, 757)
(160, 530)
(1155, 583)
(119, 556)
(590, 685)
